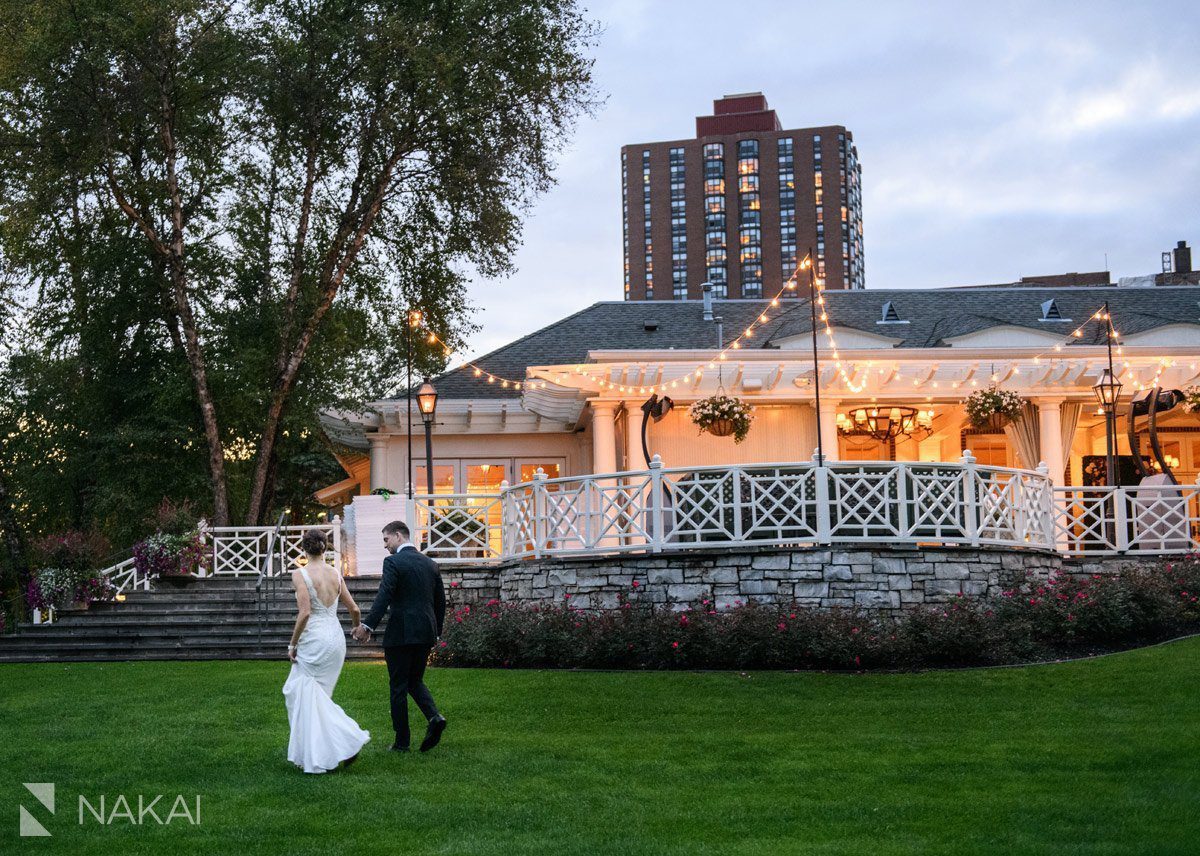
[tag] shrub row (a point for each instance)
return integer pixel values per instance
(1032, 621)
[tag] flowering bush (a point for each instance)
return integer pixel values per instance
(164, 555)
(1191, 399)
(78, 551)
(1034, 620)
(54, 588)
(708, 412)
(983, 404)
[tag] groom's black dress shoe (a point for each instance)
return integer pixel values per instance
(433, 733)
(396, 747)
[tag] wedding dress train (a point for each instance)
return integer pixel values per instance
(322, 735)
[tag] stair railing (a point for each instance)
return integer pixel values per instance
(265, 587)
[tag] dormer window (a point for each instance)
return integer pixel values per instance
(890, 315)
(1051, 312)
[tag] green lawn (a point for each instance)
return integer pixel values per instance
(1089, 757)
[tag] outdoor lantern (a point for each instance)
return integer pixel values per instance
(427, 398)
(1107, 390)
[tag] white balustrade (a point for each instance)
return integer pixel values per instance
(774, 504)
(1142, 519)
(243, 550)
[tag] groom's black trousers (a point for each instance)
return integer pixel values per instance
(406, 671)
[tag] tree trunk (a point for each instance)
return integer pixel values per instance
(356, 223)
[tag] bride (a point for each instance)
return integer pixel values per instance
(322, 734)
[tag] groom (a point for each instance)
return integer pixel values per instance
(412, 588)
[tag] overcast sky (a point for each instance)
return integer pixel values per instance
(1008, 140)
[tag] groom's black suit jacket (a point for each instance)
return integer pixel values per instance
(412, 588)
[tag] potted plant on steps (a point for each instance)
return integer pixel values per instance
(171, 559)
(990, 409)
(722, 415)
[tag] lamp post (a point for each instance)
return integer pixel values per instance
(427, 398)
(812, 302)
(1108, 392)
(412, 319)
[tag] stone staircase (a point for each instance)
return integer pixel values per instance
(211, 619)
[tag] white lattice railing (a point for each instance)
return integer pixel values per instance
(764, 504)
(1113, 520)
(459, 527)
(244, 550)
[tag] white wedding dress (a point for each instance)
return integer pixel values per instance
(322, 734)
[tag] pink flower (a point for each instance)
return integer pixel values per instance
(566, 597)
(454, 584)
(674, 644)
(782, 626)
(442, 644)
(636, 584)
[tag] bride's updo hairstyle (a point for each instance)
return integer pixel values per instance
(314, 542)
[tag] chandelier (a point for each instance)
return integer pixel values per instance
(885, 423)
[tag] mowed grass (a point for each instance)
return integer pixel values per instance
(1086, 757)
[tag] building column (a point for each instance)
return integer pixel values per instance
(634, 417)
(1050, 437)
(829, 432)
(604, 437)
(379, 460)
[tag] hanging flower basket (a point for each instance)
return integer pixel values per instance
(721, 427)
(991, 409)
(723, 415)
(1191, 399)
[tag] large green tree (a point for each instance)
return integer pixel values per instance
(291, 173)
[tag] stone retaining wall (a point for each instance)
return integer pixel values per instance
(862, 577)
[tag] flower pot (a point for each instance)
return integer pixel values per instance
(994, 424)
(720, 427)
(178, 580)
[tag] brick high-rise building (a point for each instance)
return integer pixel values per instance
(740, 205)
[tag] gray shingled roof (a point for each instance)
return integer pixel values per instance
(934, 315)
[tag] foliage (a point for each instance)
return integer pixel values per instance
(709, 410)
(1191, 399)
(75, 551)
(171, 518)
(164, 555)
(982, 404)
(215, 210)
(1033, 620)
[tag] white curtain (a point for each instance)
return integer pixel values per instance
(1022, 433)
(1070, 413)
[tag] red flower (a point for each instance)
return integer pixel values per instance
(636, 584)
(674, 644)
(454, 584)
(442, 644)
(782, 626)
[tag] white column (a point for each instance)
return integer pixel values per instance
(379, 456)
(1050, 439)
(604, 437)
(828, 421)
(634, 417)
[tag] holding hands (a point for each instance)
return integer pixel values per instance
(361, 633)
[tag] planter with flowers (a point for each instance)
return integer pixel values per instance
(991, 409)
(723, 415)
(1191, 399)
(69, 589)
(172, 559)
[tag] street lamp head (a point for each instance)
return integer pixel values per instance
(427, 398)
(1108, 390)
